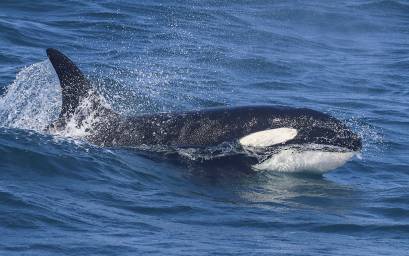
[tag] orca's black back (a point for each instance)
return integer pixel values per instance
(209, 127)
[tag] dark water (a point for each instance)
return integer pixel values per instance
(60, 196)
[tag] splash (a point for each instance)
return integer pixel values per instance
(33, 100)
(87, 115)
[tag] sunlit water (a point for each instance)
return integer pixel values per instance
(61, 195)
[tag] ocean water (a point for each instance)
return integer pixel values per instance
(64, 196)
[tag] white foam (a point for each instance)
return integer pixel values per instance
(76, 129)
(315, 161)
(33, 100)
(86, 115)
(268, 138)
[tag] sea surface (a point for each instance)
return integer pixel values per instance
(63, 196)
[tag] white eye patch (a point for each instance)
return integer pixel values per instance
(268, 138)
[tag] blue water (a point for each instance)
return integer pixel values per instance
(62, 196)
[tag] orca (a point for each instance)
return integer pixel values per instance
(251, 128)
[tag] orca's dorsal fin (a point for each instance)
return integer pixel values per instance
(74, 85)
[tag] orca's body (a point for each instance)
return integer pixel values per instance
(251, 126)
(215, 126)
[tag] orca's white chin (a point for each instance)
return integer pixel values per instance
(316, 161)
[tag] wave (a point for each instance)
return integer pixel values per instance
(386, 6)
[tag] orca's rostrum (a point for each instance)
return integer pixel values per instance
(252, 128)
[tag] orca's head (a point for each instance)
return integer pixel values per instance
(323, 129)
(301, 139)
(302, 127)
